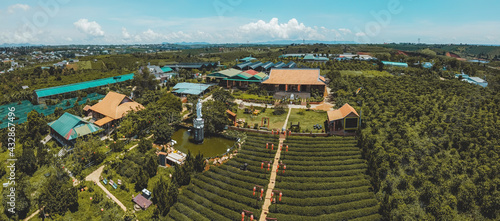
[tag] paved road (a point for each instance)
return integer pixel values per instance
(94, 176)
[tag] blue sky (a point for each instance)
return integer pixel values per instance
(233, 21)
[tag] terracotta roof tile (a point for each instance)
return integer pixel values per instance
(295, 76)
(341, 113)
(115, 105)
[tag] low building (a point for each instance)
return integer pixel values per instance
(472, 80)
(312, 58)
(68, 128)
(395, 64)
(250, 58)
(142, 202)
(69, 90)
(245, 78)
(343, 119)
(299, 82)
(112, 108)
(169, 159)
(185, 88)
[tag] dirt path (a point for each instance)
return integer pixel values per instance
(272, 179)
(32, 215)
(94, 176)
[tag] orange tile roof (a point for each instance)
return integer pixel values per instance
(295, 76)
(103, 121)
(230, 113)
(251, 72)
(86, 108)
(116, 105)
(341, 113)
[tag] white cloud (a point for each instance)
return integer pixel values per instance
(345, 31)
(360, 34)
(290, 30)
(90, 28)
(11, 9)
(125, 33)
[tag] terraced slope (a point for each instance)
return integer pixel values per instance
(223, 192)
(324, 180)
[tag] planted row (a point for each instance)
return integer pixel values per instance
(320, 210)
(323, 163)
(326, 201)
(370, 213)
(321, 186)
(326, 168)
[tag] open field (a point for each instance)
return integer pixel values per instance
(307, 119)
(275, 121)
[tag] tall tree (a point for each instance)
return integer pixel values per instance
(59, 194)
(214, 114)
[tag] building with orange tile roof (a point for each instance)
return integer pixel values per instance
(112, 108)
(298, 81)
(343, 119)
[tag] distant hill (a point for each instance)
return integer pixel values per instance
(188, 43)
(287, 42)
(20, 45)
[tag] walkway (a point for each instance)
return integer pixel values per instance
(32, 215)
(94, 176)
(272, 179)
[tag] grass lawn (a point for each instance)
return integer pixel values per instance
(307, 119)
(367, 73)
(87, 210)
(275, 121)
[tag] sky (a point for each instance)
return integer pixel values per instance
(62, 22)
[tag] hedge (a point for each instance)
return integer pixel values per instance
(258, 154)
(369, 213)
(326, 193)
(301, 149)
(228, 208)
(322, 163)
(207, 207)
(238, 196)
(322, 179)
(321, 186)
(222, 185)
(324, 173)
(242, 180)
(204, 212)
(333, 138)
(324, 154)
(174, 213)
(320, 158)
(326, 201)
(319, 210)
(291, 167)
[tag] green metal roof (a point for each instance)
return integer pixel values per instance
(82, 85)
(166, 69)
(243, 76)
(225, 73)
(71, 127)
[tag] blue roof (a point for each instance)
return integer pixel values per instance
(82, 85)
(191, 88)
(166, 69)
(398, 64)
(427, 65)
(71, 127)
(250, 58)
